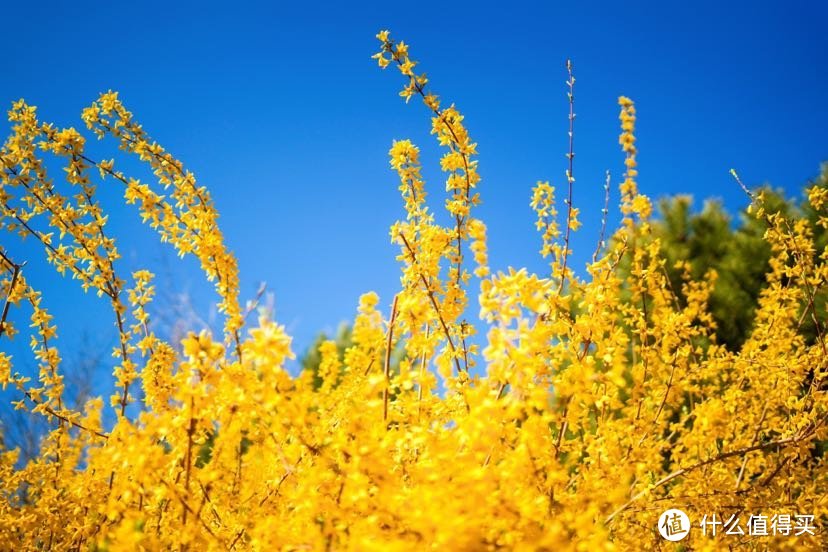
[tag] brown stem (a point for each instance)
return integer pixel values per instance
(570, 178)
(798, 256)
(15, 275)
(422, 376)
(387, 371)
(49, 410)
(434, 304)
(718, 458)
(77, 270)
(755, 437)
(188, 460)
(460, 220)
(563, 428)
(604, 213)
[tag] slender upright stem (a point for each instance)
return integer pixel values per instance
(570, 176)
(388, 345)
(434, 304)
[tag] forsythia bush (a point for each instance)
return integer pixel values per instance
(594, 404)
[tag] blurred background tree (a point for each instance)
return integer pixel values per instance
(19, 429)
(735, 249)
(311, 358)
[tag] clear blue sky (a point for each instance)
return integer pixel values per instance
(280, 111)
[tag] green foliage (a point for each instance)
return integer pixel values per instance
(709, 239)
(343, 338)
(311, 359)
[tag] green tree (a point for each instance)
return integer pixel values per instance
(709, 239)
(311, 358)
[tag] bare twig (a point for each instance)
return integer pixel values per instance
(604, 213)
(570, 176)
(253, 305)
(422, 377)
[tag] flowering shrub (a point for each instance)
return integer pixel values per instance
(595, 403)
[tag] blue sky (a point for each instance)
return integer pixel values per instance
(280, 111)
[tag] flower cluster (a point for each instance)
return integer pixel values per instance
(591, 403)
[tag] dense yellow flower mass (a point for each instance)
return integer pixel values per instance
(592, 405)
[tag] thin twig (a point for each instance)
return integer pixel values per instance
(434, 304)
(755, 437)
(570, 177)
(49, 410)
(255, 303)
(15, 274)
(422, 376)
(604, 213)
(188, 460)
(718, 458)
(798, 255)
(460, 220)
(387, 371)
